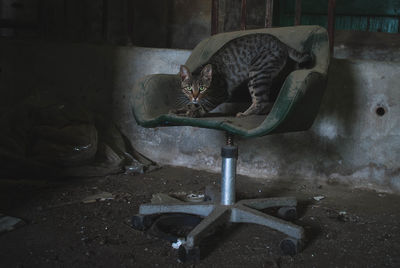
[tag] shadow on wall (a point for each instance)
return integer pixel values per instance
(57, 112)
(313, 153)
(339, 112)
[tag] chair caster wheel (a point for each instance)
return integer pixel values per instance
(290, 246)
(287, 213)
(142, 222)
(188, 255)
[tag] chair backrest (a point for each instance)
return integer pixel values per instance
(303, 38)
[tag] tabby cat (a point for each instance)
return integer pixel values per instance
(255, 59)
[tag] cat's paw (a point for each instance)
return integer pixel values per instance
(180, 111)
(193, 113)
(241, 114)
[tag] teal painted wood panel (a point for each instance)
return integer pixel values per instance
(347, 7)
(358, 15)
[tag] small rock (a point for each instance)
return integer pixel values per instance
(178, 243)
(98, 197)
(195, 197)
(387, 236)
(319, 197)
(8, 223)
(345, 217)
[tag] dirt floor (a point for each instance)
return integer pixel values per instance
(347, 228)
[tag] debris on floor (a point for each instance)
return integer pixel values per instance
(342, 216)
(195, 197)
(103, 196)
(345, 217)
(178, 243)
(8, 223)
(160, 198)
(319, 197)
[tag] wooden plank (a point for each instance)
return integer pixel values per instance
(54, 18)
(243, 17)
(331, 23)
(297, 17)
(354, 7)
(130, 21)
(398, 24)
(232, 14)
(104, 20)
(117, 22)
(75, 28)
(269, 11)
(93, 12)
(214, 16)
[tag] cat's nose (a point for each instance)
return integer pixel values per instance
(194, 101)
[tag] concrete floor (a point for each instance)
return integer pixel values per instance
(347, 228)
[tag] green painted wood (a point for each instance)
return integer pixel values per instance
(357, 15)
(346, 7)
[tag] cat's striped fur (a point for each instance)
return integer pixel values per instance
(256, 59)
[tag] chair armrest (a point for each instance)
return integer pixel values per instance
(153, 96)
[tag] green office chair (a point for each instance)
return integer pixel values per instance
(295, 109)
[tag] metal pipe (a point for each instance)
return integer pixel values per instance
(229, 156)
(228, 181)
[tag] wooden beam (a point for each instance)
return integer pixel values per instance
(130, 21)
(269, 11)
(331, 23)
(297, 17)
(104, 23)
(398, 24)
(214, 16)
(243, 19)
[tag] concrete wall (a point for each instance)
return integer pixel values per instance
(349, 141)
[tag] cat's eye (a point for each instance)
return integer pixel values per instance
(189, 88)
(202, 88)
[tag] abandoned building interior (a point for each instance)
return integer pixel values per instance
(99, 168)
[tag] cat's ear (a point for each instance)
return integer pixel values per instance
(184, 73)
(206, 73)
